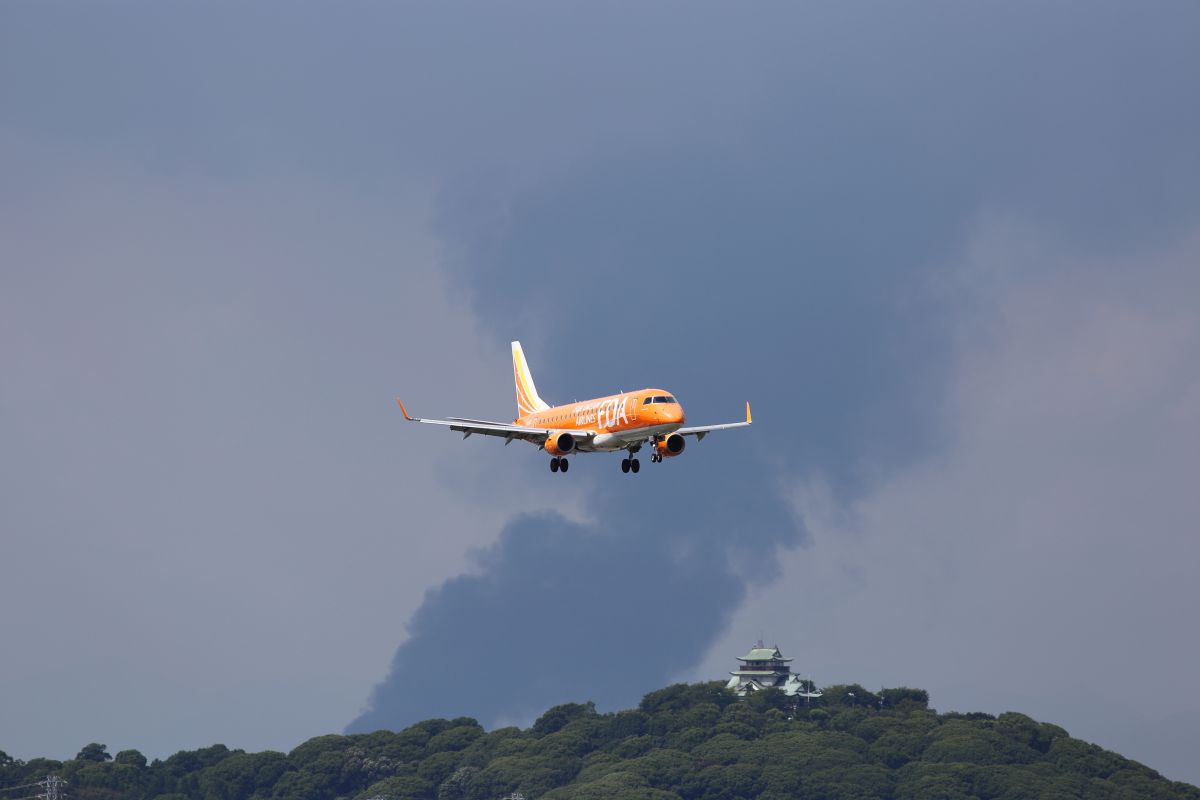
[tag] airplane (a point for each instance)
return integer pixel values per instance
(619, 422)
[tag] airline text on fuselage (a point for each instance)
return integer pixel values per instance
(603, 415)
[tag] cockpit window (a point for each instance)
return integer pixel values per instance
(662, 398)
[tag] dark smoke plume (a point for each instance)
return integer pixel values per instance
(567, 612)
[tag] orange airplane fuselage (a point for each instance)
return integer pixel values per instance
(647, 411)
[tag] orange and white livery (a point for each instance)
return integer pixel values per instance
(625, 422)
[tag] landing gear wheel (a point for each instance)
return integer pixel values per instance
(625, 465)
(562, 465)
(554, 465)
(635, 465)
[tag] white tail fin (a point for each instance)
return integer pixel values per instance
(528, 401)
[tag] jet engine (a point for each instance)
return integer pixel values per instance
(669, 446)
(560, 443)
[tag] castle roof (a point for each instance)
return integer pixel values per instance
(764, 654)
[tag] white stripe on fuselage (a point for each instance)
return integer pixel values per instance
(619, 440)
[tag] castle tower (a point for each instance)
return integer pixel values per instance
(766, 668)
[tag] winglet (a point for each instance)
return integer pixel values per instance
(403, 410)
(748, 420)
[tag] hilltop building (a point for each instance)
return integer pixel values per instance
(766, 668)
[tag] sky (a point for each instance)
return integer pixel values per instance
(949, 253)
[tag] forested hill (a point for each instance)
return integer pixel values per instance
(685, 742)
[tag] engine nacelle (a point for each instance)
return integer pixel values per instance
(560, 443)
(669, 446)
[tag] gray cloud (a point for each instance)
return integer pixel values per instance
(561, 612)
(209, 499)
(1041, 561)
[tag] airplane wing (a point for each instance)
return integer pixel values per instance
(700, 431)
(486, 428)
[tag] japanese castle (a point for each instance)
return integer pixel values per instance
(766, 668)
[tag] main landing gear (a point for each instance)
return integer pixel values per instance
(559, 465)
(631, 464)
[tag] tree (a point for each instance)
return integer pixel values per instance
(294, 785)
(687, 742)
(438, 767)
(240, 775)
(402, 787)
(682, 696)
(94, 752)
(919, 698)
(614, 786)
(851, 694)
(453, 739)
(455, 787)
(559, 716)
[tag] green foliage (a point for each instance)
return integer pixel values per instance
(851, 694)
(624, 724)
(132, 758)
(632, 747)
(242, 775)
(312, 750)
(767, 699)
(662, 768)
(684, 742)
(457, 738)
(455, 787)
(817, 715)
(904, 697)
(408, 787)
(975, 743)
(93, 752)
(613, 786)
(683, 696)
(40, 767)
(295, 785)
(188, 763)
(438, 766)
(557, 717)
(894, 749)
